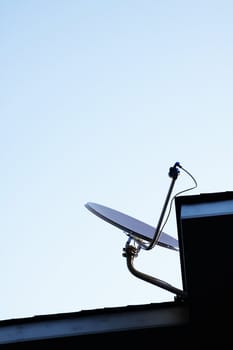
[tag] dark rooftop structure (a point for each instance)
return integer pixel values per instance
(201, 315)
(164, 321)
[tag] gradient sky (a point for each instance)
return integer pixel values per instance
(98, 100)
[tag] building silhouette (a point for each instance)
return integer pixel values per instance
(201, 316)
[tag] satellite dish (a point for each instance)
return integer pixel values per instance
(133, 227)
(140, 232)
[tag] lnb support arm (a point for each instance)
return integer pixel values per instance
(173, 173)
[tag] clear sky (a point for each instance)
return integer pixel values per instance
(98, 100)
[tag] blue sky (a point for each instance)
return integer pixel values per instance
(98, 100)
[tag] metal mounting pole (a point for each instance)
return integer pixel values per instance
(130, 252)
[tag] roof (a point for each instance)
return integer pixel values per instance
(100, 322)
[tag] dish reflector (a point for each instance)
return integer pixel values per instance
(130, 225)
